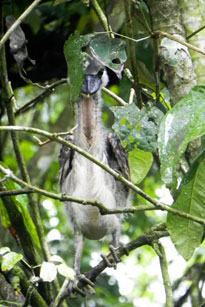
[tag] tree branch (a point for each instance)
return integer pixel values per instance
(114, 96)
(15, 192)
(103, 210)
(153, 234)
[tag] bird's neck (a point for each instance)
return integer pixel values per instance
(88, 120)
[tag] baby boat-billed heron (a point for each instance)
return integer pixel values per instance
(81, 178)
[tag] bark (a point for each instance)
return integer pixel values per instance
(193, 13)
(25, 287)
(174, 58)
(7, 293)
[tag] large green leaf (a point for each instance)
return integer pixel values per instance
(186, 234)
(137, 128)
(183, 123)
(111, 52)
(75, 61)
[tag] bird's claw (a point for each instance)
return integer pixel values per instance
(115, 258)
(84, 280)
(82, 285)
(123, 246)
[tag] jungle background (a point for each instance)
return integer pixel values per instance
(158, 112)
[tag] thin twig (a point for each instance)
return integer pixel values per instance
(101, 16)
(27, 106)
(61, 294)
(125, 36)
(15, 192)
(103, 209)
(131, 97)
(132, 51)
(165, 276)
(18, 22)
(195, 32)
(174, 38)
(114, 96)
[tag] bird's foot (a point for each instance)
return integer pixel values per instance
(126, 251)
(111, 263)
(82, 285)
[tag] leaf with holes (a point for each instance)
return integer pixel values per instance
(186, 234)
(111, 52)
(137, 128)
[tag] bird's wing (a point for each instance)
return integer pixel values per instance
(117, 156)
(117, 160)
(65, 159)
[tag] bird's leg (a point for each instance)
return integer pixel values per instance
(115, 243)
(78, 250)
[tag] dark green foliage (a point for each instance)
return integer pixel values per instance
(137, 128)
(183, 123)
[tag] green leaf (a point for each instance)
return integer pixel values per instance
(111, 52)
(9, 260)
(66, 271)
(137, 128)
(183, 123)
(140, 163)
(48, 271)
(75, 59)
(56, 258)
(186, 234)
(4, 250)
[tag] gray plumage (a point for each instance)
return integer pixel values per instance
(82, 178)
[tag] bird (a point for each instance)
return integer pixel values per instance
(81, 178)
